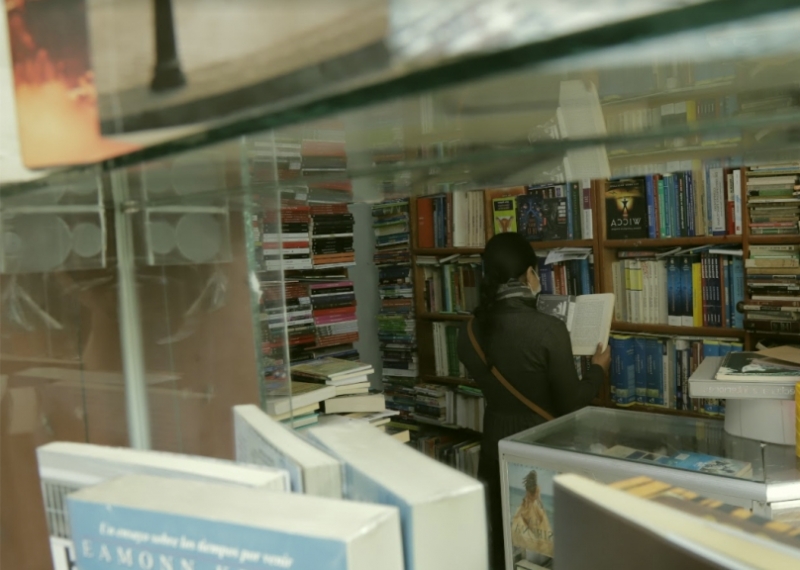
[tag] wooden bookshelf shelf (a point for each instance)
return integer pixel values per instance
(776, 240)
(447, 250)
(443, 316)
(677, 331)
(451, 380)
(672, 242)
(666, 411)
(562, 243)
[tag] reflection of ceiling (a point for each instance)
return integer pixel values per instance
(11, 168)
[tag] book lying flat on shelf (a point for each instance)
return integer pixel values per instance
(588, 318)
(442, 510)
(687, 460)
(260, 440)
(302, 394)
(355, 403)
(65, 467)
(753, 366)
(636, 529)
(164, 523)
(332, 369)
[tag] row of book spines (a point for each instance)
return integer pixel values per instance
(699, 292)
(574, 277)
(439, 226)
(445, 346)
(655, 371)
(452, 288)
(676, 203)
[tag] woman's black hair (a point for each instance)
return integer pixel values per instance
(506, 256)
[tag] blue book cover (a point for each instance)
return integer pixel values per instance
(674, 208)
(737, 289)
(673, 293)
(710, 348)
(651, 207)
(623, 370)
(567, 191)
(654, 370)
(640, 369)
(616, 369)
(146, 522)
(586, 279)
(669, 207)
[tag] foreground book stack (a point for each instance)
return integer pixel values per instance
(773, 280)
(668, 527)
(334, 312)
(66, 467)
(773, 199)
(167, 523)
(260, 440)
(655, 371)
(442, 511)
(670, 287)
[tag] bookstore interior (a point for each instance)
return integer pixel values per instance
(242, 252)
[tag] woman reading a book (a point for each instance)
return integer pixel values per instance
(521, 359)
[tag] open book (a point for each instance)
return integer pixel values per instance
(588, 318)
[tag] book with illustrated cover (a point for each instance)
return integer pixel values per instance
(65, 467)
(260, 440)
(588, 318)
(152, 522)
(626, 209)
(504, 214)
(542, 213)
(755, 367)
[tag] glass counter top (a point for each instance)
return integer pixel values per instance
(672, 442)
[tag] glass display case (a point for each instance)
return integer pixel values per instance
(134, 292)
(610, 445)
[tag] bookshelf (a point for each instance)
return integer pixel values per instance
(605, 253)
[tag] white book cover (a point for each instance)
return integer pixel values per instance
(260, 440)
(65, 467)
(737, 201)
(141, 521)
(443, 511)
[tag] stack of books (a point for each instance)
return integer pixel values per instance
(348, 382)
(396, 324)
(456, 449)
(297, 404)
(654, 371)
(455, 219)
(452, 284)
(273, 158)
(324, 157)
(334, 312)
(332, 235)
(773, 280)
(773, 199)
(690, 288)
(285, 239)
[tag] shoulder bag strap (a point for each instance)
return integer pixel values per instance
(496, 373)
